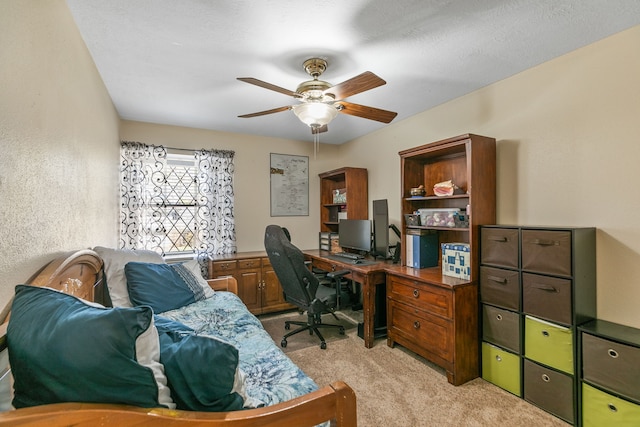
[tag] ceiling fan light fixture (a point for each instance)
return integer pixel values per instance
(315, 114)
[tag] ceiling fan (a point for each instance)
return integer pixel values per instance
(320, 102)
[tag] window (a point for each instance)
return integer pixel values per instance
(179, 208)
(177, 202)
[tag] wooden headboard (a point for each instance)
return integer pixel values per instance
(81, 274)
(76, 273)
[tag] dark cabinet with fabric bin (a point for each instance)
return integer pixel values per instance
(556, 292)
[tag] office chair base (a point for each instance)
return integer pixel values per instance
(312, 326)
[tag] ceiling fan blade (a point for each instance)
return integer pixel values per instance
(270, 86)
(263, 113)
(357, 84)
(365, 112)
(321, 129)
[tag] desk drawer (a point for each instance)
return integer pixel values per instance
(428, 332)
(426, 297)
(222, 266)
(249, 263)
(546, 251)
(611, 365)
(602, 409)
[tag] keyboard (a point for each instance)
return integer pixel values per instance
(348, 255)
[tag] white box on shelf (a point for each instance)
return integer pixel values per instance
(342, 215)
(438, 217)
(456, 259)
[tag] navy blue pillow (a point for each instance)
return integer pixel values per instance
(63, 350)
(202, 371)
(163, 287)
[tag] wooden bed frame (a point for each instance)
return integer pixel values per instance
(80, 273)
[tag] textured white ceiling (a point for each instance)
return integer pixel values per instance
(176, 62)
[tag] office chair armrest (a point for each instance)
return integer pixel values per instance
(337, 274)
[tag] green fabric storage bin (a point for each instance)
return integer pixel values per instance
(549, 344)
(600, 409)
(501, 368)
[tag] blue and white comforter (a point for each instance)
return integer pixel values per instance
(271, 376)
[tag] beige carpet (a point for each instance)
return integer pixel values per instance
(274, 325)
(395, 387)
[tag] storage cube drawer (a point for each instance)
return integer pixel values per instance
(602, 409)
(430, 298)
(611, 365)
(547, 297)
(546, 251)
(549, 344)
(428, 332)
(500, 246)
(501, 368)
(501, 327)
(549, 390)
(500, 287)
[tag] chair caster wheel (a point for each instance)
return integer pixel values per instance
(323, 345)
(341, 331)
(283, 343)
(287, 326)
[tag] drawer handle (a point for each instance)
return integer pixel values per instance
(416, 293)
(545, 333)
(613, 353)
(546, 288)
(501, 280)
(500, 239)
(545, 378)
(498, 358)
(541, 242)
(416, 325)
(499, 317)
(612, 407)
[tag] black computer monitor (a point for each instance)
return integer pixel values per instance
(380, 229)
(355, 234)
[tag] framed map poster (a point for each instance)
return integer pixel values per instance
(289, 185)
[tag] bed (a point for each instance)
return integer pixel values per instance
(271, 390)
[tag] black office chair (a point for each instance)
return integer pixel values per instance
(301, 287)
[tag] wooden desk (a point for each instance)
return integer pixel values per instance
(370, 276)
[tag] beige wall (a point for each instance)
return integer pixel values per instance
(566, 130)
(568, 154)
(251, 177)
(59, 133)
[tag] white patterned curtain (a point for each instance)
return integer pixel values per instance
(143, 182)
(216, 230)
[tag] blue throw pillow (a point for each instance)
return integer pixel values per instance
(164, 287)
(202, 371)
(62, 349)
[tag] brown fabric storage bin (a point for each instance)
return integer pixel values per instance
(547, 297)
(500, 246)
(612, 365)
(545, 251)
(501, 327)
(549, 390)
(500, 287)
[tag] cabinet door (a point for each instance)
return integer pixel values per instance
(272, 291)
(249, 288)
